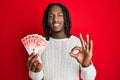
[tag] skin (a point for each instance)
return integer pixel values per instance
(85, 52)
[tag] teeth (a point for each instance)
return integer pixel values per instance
(56, 24)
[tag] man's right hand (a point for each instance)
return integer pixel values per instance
(33, 63)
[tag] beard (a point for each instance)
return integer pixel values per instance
(56, 32)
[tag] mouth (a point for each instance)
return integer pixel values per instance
(56, 24)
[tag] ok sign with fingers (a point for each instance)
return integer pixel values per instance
(84, 54)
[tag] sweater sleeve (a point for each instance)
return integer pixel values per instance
(36, 76)
(88, 73)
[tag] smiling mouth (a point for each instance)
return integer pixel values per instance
(56, 24)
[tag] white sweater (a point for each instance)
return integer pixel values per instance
(59, 65)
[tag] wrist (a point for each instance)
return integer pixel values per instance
(86, 63)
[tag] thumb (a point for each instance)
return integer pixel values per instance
(73, 55)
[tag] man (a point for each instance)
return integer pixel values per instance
(65, 54)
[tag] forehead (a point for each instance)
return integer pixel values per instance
(55, 8)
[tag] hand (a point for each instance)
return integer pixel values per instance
(84, 54)
(33, 63)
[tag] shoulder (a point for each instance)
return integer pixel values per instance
(74, 38)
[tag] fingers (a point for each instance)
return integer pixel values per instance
(82, 41)
(86, 45)
(73, 55)
(33, 54)
(75, 49)
(30, 57)
(33, 63)
(36, 67)
(91, 46)
(87, 42)
(33, 68)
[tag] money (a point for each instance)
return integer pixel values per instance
(34, 43)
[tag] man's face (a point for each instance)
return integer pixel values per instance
(56, 19)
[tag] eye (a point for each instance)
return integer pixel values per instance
(50, 16)
(60, 15)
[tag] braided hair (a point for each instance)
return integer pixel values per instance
(67, 20)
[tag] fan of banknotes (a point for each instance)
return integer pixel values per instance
(34, 43)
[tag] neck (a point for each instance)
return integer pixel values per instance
(59, 35)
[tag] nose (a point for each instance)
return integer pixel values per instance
(55, 18)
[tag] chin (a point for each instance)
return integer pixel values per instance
(57, 31)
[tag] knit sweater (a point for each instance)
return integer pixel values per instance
(59, 65)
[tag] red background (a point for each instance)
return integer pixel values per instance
(99, 18)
